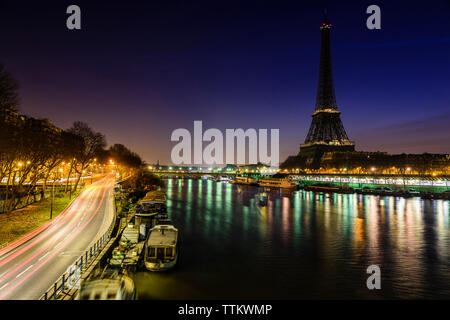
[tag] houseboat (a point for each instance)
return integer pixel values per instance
(161, 248)
(278, 183)
(328, 188)
(148, 210)
(111, 285)
(223, 179)
(246, 180)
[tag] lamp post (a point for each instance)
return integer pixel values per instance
(53, 196)
(55, 177)
(20, 164)
(408, 169)
(373, 173)
(432, 179)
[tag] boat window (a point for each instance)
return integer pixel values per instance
(111, 295)
(151, 252)
(160, 253)
(169, 252)
(97, 296)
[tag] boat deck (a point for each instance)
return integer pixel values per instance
(163, 236)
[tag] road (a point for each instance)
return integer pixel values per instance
(30, 266)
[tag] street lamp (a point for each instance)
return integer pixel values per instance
(373, 172)
(53, 191)
(53, 195)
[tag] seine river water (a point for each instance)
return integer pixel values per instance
(302, 245)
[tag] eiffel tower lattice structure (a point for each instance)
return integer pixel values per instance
(327, 133)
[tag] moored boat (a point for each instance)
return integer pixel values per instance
(278, 183)
(161, 248)
(111, 285)
(245, 180)
(328, 188)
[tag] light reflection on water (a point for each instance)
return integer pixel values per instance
(301, 245)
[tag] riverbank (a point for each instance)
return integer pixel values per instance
(19, 222)
(386, 190)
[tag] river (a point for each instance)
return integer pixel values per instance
(302, 245)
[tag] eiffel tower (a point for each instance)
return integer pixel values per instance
(327, 133)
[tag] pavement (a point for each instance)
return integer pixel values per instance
(29, 266)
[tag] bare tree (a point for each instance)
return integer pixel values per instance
(85, 153)
(9, 97)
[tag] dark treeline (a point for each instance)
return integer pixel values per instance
(34, 151)
(359, 162)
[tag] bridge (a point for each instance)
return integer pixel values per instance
(436, 182)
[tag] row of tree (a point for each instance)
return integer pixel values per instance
(373, 163)
(34, 151)
(389, 164)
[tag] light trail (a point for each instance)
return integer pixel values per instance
(54, 254)
(20, 274)
(46, 225)
(32, 255)
(34, 243)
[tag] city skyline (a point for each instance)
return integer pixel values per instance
(233, 68)
(216, 159)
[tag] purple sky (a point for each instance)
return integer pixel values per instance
(140, 69)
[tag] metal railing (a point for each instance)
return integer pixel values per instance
(61, 286)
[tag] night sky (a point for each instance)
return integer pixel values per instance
(140, 69)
